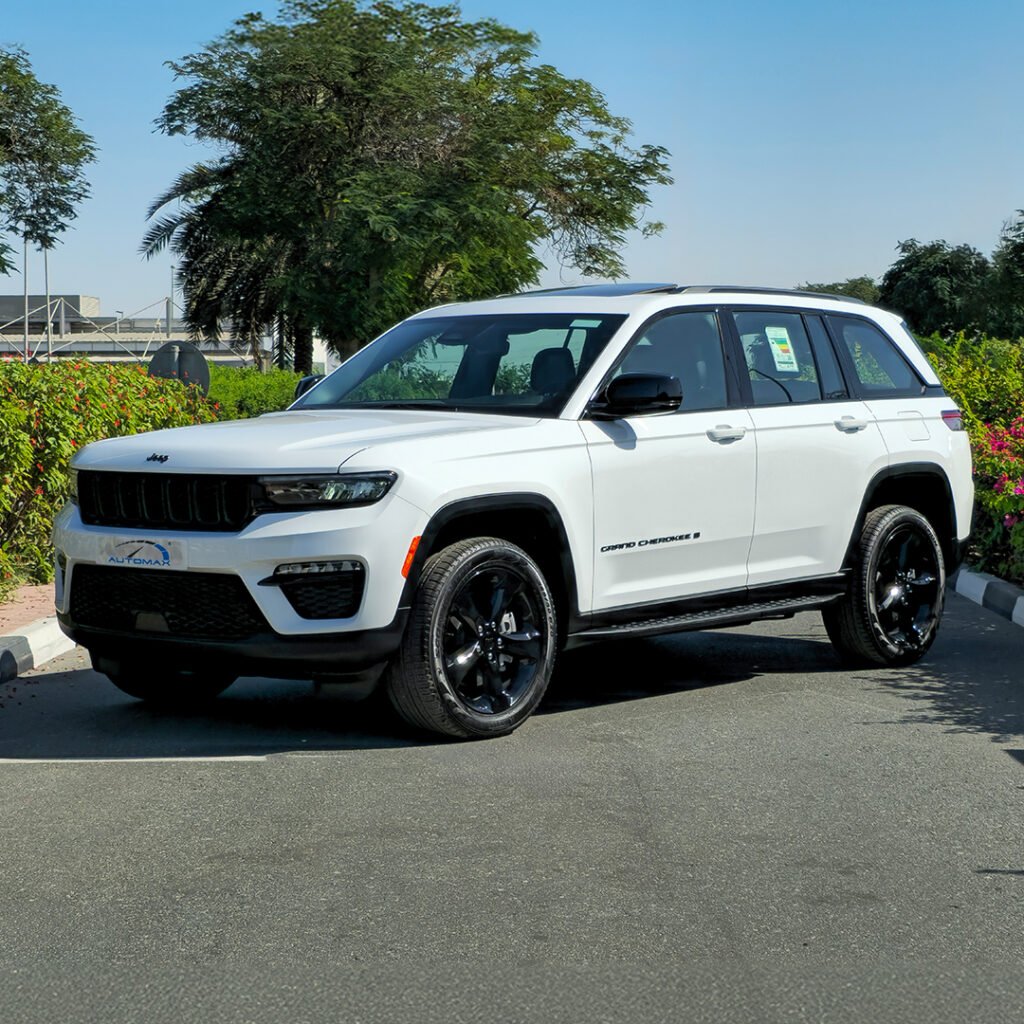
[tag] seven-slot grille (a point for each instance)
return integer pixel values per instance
(172, 501)
(197, 605)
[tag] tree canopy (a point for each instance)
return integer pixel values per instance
(938, 287)
(863, 288)
(42, 155)
(379, 158)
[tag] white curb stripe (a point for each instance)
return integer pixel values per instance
(1018, 611)
(972, 585)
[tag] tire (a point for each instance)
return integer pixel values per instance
(164, 687)
(480, 647)
(891, 613)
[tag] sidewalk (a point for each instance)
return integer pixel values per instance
(29, 634)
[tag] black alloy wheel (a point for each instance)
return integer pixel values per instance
(480, 646)
(891, 612)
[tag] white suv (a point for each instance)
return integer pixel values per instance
(489, 483)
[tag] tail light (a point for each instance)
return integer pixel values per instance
(953, 419)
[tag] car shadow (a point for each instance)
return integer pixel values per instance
(971, 681)
(78, 714)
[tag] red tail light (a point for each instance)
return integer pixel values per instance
(953, 419)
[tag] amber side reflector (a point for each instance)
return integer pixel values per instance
(952, 419)
(407, 564)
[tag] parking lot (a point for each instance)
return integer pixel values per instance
(727, 802)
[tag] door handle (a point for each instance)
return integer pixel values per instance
(850, 425)
(724, 433)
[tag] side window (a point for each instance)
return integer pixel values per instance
(687, 346)
(877, 362)
(832, 382)
(779, 359)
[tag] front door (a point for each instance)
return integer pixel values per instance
(673, 493)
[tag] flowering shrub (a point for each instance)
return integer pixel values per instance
(985, 377)
(46, 413)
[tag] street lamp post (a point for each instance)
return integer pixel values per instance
(117, 322)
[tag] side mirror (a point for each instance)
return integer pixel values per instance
(637, 394)
(305, 383)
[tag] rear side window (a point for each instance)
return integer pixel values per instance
(780, 362)
(877, 363)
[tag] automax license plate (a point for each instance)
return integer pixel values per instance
(144, 554)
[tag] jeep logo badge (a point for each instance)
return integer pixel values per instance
(157, 458)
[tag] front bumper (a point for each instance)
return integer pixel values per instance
(266, 654)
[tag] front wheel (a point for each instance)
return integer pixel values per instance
(891, 613)
(480, 647)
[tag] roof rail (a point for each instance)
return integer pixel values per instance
(706, 289)
(610, 289)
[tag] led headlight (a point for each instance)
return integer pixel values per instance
(339, 490)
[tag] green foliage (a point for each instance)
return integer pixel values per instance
(384, 157)
(240, 392)
(985, 377)
(42, 153)
(46, 414)
(938, 287)
(863, 288)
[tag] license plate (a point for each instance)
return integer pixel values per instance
(144, 554)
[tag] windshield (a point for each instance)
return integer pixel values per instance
(524, 364)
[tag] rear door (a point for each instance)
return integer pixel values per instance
(817, 445)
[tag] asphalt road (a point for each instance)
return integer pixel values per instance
(718, 826)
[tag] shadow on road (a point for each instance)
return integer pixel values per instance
(970, 681)
(80, 715)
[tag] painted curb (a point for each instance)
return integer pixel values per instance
(35, 645)
(998, 596)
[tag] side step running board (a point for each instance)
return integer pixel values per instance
(737, 615)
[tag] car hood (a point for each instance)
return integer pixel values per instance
(297, 441)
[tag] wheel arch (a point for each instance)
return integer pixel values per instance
(923, 486)
(529, 520)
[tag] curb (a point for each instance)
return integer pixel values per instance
(990, 592)
(35, 645)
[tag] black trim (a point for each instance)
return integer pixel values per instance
(270, 654)
(483, 504)
(726, 607)
(953, 548)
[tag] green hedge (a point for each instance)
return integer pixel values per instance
(46, 413)
(985, 377)
(244, 391)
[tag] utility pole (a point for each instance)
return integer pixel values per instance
(24, 278)
(170, 303)
(49, 318)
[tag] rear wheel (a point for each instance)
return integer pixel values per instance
(164, 687)
(891, 612)
(480, 646)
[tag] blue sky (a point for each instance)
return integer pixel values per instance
(807, 139)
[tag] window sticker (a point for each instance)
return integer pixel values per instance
(782, 349)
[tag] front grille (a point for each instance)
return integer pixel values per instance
(170, 501)
(190, 605)
(334, 595)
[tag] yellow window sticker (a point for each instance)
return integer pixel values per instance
(782, 349)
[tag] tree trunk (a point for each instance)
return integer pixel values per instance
(302, 340)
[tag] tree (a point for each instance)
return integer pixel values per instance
(1006, 304)
(385, 157)
(938, 287)
(42, 155)
(863, 288)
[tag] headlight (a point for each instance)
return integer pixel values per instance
(340, 490)
(73, 486)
